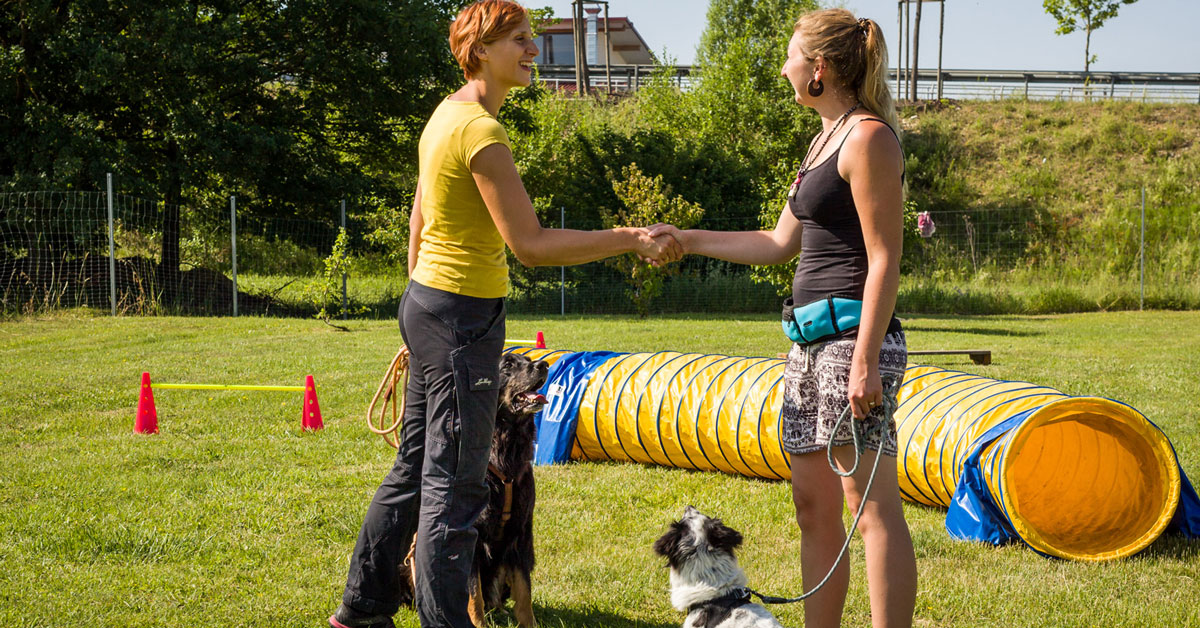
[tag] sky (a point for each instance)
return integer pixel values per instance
(1148, 36)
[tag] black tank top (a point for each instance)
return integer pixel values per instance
(833, 258)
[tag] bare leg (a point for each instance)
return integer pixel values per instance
(817, 495)
(891, 562)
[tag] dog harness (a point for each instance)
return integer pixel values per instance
(714, 611)
(506, 514)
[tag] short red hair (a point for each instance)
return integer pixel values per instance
(483, 22)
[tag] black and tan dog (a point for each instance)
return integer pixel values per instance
(504, 551)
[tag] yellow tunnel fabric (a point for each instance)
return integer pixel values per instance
(1081, 478)
(687, 410)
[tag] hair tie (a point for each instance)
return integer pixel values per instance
(864, 25)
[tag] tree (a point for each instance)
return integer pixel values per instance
(743, 103)
(1085, 15)
(290, 104)
(647, 201)
(747, 108)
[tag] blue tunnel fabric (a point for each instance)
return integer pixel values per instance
(1187, 517)
(567, 379)
(973, 515)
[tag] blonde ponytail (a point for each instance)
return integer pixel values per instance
(875, 94)
(857, 53)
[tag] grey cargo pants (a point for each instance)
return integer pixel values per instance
(437, 487)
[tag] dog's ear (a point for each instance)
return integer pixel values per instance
(669, 544)
(721, 536)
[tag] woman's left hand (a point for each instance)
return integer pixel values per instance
(668, 247)
(865, 389)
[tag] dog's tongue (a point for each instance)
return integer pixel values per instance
(537, 398)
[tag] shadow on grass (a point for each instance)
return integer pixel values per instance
(554, 617)
(979, 331)
(1174, 547)
(549, 617)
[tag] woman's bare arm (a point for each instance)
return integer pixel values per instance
(510, 208)
(416, 222)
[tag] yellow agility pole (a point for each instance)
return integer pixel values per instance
(227, 387)
(538, 343)
(146, 421)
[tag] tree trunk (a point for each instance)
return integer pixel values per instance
(169, 267)
(1087, 51)
(916, 46)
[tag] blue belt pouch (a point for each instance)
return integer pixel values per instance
(821, 319)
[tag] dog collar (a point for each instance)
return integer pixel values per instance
(732, 599)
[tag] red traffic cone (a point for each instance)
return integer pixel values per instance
(147, 417)
(311, 420)
(541, 341)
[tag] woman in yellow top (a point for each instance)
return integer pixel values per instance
(469, 203)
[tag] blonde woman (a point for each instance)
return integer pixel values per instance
(844, 217)
(469, 203)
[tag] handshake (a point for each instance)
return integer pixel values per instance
(660, 244)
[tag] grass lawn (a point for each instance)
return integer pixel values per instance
(231, 516)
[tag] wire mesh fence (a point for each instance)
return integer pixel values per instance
(55, 253)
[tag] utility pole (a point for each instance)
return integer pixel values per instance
(941, 34)
(909, 47)
(916, 49)
(906, 49)
(900, 44)
(581, 67)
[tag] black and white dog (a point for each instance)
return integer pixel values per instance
(706, 581)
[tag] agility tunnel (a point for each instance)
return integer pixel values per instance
(1079, 478)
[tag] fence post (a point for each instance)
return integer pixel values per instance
(344, 314)
(562, 281)
(233, 247)
(112, 263)
(1142, 254)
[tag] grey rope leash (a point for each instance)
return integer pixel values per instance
(889, 409)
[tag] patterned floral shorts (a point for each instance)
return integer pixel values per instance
(815, 382)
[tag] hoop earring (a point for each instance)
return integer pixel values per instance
(816, 88)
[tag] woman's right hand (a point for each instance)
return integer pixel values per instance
(658, 249)
(675, 233)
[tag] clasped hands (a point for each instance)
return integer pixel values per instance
(660, 244)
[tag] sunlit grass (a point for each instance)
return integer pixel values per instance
(233, 516)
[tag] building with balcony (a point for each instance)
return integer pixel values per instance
(557, 42)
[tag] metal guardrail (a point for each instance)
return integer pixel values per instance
(1179, 87)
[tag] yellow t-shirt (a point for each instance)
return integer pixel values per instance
(461, 249)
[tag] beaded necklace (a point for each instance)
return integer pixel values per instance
(806, 163)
